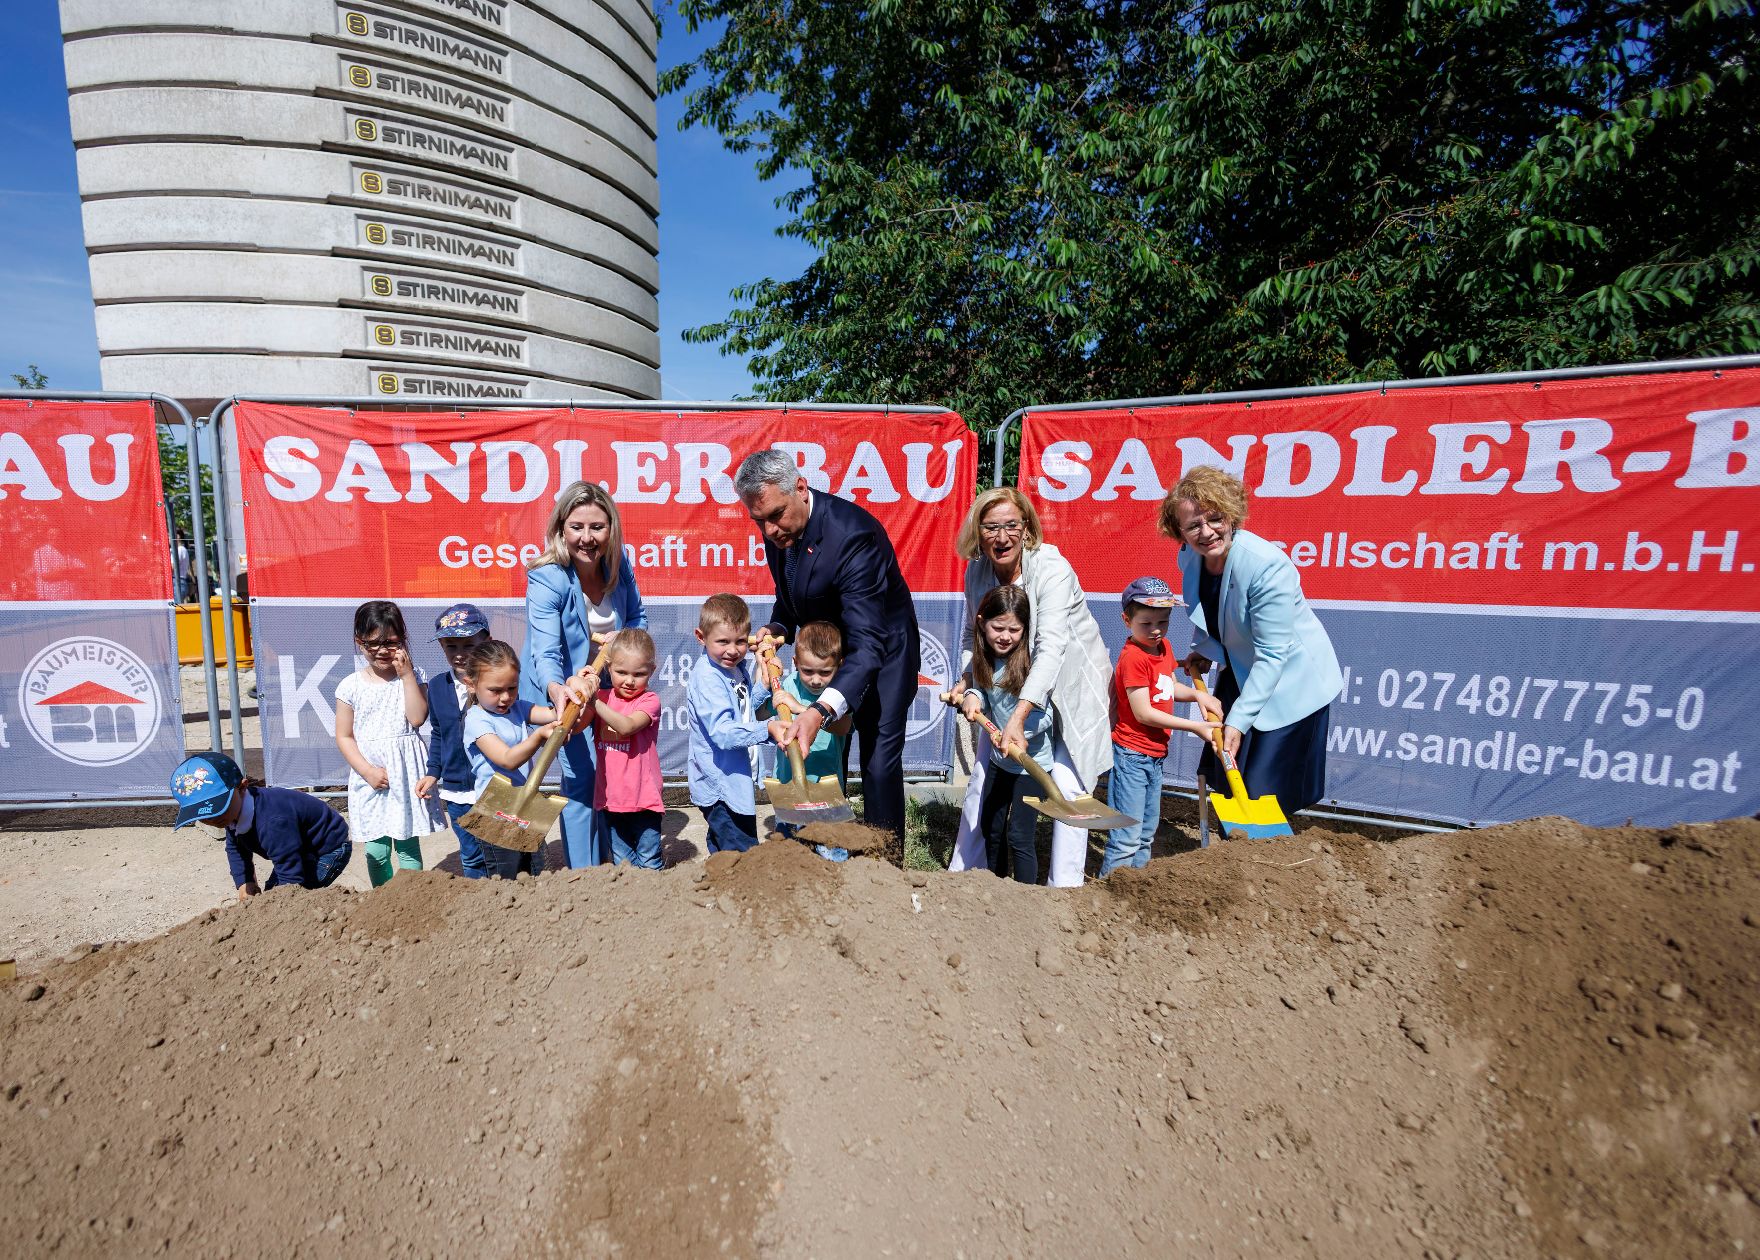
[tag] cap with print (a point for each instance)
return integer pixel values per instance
(1150, 592)
(460, 621)
(202, 786)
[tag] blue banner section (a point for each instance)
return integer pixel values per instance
(305, 649)
(89, 701)
(1481, 718)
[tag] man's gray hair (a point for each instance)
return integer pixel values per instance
(768, 467)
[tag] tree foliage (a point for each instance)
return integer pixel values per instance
(1026, 202)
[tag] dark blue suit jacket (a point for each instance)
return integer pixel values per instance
(447, 759)
(290, 829)
(848, 575)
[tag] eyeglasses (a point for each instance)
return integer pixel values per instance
(1215, 522)
(380, 645)
(998, 529)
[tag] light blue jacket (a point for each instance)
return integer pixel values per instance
(557, 640)
(1282, 657)
(723, 734)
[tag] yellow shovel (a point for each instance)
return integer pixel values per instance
(519, 817)
(1243, 817)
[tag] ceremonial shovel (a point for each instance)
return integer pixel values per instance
(1243, 817)
(1077, 811)
(519, 818)
(799, 801)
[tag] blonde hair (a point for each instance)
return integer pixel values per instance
(1211, 490)
(820, 639)
(634, 640)
(583, 494)
(725, 610)
(967, 542)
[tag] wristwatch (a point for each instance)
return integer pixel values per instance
(824, 710)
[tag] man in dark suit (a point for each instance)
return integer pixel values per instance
(831, 561)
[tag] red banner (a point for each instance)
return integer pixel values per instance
(84, 517)
(1640, 491)
(453, 505)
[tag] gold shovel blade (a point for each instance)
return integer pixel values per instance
(511, 817)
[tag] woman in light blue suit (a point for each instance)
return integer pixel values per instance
(1279, 673)
(579, 587)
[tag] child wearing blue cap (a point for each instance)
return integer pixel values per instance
(305, 841)
(1144, 692)
(458, 630)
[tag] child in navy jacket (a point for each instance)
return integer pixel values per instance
(305, 841)
(458, 630)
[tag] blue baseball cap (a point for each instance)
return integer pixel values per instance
(1150, 592)
(202, 785)
(460, 621)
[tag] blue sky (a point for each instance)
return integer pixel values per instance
(717, 226)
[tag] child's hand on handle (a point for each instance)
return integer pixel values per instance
(425, 786)
(545, 731)
(1209, 706)
(778, 732)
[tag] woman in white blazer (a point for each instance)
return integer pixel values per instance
(1279, 672)
(1003, 544)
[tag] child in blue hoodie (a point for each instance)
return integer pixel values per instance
(305, 841)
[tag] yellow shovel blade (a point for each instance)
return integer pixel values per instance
(1248, 818)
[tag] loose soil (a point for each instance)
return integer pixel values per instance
(1535, 1040)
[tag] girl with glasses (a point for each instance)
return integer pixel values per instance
(379, 711)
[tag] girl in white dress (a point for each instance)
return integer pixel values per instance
(378, 712)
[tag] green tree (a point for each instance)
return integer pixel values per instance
(1020, 202)
(174, 475)
(31, 378)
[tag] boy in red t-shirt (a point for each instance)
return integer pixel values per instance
(1143, 694)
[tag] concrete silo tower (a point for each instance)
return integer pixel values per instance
(445, 199)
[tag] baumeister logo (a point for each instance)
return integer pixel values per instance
(934, 676)
(90, 701)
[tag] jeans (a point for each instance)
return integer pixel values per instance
(332, 864)
(728, 830)
(635, 838)
(1135, 790)
(409, 857)
(1010, 825)
(470, 857)
(500, 863)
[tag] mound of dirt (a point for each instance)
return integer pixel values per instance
(1530, 1041)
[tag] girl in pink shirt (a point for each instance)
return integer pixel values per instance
(626, 725)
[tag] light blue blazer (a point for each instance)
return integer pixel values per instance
(1281, 655)
(558, 642)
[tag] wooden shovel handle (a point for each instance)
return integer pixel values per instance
(1044, 780)
(565, 723)
(1215, 735)
(779, 700)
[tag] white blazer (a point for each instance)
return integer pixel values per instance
(1072, 672)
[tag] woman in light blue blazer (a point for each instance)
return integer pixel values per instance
(1279, 672)
(579, 587)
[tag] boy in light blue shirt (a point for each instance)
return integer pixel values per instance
(818, 651)
(723, 697)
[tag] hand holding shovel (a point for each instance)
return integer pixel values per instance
(798, 801)
(1242, 817)
(519, 817)
(1078, 811)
